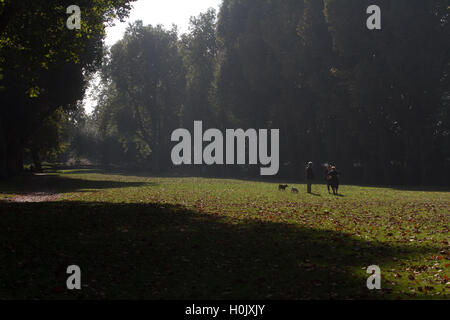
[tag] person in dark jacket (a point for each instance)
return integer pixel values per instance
(327, 180)
(334, 180)
(309, 175)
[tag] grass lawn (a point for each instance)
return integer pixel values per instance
(140, 237)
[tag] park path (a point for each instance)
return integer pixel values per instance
(34, 197)
(43, 195)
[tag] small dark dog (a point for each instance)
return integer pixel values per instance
(294, 190)
(282, 187)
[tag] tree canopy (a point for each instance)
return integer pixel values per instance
(44, 65)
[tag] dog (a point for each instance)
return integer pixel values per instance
(282, 187)
(294, 190)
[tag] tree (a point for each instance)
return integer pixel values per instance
(44, 65)
(199, 48)
(146, 82)
(47, 142)
(395, 80)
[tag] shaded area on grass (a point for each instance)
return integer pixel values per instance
(421, 189)
(160, 251)
(59, 184)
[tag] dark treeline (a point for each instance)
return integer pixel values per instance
(375, 103)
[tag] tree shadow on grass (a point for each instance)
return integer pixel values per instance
(421, 189)
(407, 188)
(154, 251)
(26, 184)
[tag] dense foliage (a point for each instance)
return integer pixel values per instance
(44, 66)
(373, 102)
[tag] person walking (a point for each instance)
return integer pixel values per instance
(334, 180)
(327, 176)
(309, 175)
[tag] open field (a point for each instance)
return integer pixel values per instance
(137, 237)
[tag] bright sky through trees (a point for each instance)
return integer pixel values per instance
(165, 12)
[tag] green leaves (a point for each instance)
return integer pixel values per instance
(44, 64)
